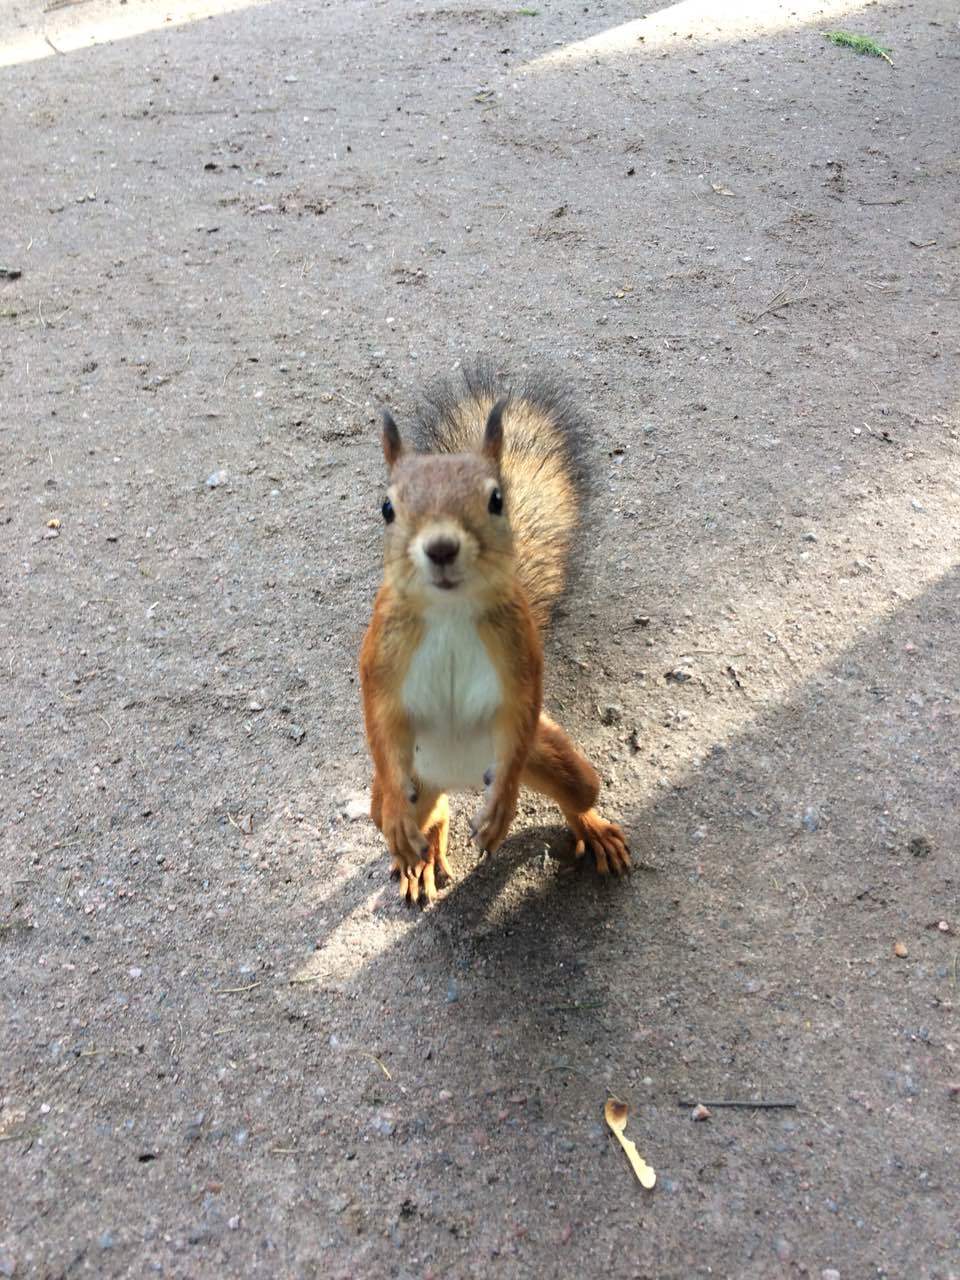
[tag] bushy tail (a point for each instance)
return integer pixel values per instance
(541, 465)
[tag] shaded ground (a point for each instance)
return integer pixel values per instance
(231, 1052)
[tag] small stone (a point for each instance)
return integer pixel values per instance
(641, 620)
(700, 1112)
(900, 949)
(255, 706)
(216, 478)
(296, 733)
(53, 524)
(234, 1223)
(453, 992)
(444, 1095)
(783, 1249)
(917, 506)
(8, 1265)
(611, 715)
(811, 819)
(105, 1241)
(134, 972)
(829, 1273)
(810, 536)
(677, 675)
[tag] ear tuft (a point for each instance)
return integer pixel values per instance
(493, 435)
(392, 444)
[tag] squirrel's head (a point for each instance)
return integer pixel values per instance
(447, 533)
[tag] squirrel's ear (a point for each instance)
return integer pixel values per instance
(392, 444)
(493, 435)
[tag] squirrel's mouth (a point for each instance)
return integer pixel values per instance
(445, 584)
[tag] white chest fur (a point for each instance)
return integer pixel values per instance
(452, 694)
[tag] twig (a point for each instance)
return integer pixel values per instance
(234, 991)
(307, 977)
(762, 1105)
(780, 300)
(52, 45)
(15, 1137)
(62, 844)
(283, 1151)
(573, 1071)
(898, 200)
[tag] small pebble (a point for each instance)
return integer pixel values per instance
(134, 972)
(810, 537)
(811, 819)
(611, 715)
(233, 1223)
(828, 1273)
(216, 478)
(700, 1112)
(900, 949)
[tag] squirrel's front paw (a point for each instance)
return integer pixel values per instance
(490, 826)
(406, 842)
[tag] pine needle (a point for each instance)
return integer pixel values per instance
(860, 44)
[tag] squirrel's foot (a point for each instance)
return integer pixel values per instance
(419, 884)
(489, 827)
(605, 840)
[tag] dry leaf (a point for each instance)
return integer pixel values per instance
(720, 189)
(615, 1113)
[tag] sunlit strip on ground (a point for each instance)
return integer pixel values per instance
(698, 20)
(84, 24)
(848, 584)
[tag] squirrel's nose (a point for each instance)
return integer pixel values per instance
(443, 551)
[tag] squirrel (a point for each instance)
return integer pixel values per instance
(478, 532)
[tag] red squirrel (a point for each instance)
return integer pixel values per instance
(478, 533)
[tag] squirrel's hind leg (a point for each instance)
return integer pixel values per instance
(557, 769)
(436, 827)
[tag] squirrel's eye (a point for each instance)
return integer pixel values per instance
(388, 511)
(496, 503)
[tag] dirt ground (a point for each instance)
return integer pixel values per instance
(227, 1049)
